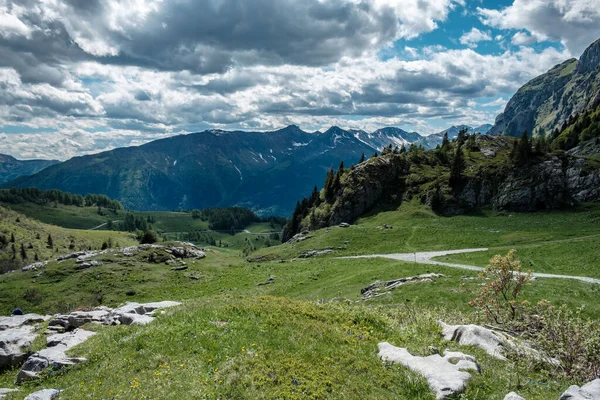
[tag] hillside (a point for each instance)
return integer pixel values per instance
(11, 168)
(475, 171)
(547, 101)
(299, 328)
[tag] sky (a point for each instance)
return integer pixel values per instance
(83, 76)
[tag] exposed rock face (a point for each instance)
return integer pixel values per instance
(46, 394)
(16, 335)
(589, 391)
(472, 335)
(386, 180)
(446, 375)
(54, 355)
(129, 314)
(545, 102)
(378, 288)
(315, 253)
(34, 266)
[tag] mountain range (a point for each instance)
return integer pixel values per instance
(265, 171)
(269, 171)
(11, 168)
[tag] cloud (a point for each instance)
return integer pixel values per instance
(473, 37)
(92, 75)
(575, 23)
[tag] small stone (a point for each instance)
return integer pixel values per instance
(513, 396)
(46, 394)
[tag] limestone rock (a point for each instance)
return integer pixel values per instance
(76, 319)
(54, 355)
(300, 237)
(472, 335)
(513, 396)
(180, 268)
(446, 375)
(4, 392)
(589, 391)
(16, 334)
(344, 225)
(378, 288)
(34, 266)
(315, 253)
(495, 343)
(46, 394)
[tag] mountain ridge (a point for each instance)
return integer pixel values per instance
(217, 168)
(11, 168)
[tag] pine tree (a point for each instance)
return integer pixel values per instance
(362, 158)
(458, 166)
(329, 184)
(445, 141)
(12, 237)
(14, 251)
(50, 241)
(23, 252)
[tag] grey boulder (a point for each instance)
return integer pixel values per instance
(446, 375)
(46, 394)
(589, 391)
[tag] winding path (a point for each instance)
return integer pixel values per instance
(426, 258)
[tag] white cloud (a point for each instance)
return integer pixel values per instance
(474, 36)
(575, 23)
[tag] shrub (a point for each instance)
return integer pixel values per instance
(498, 298)
(148, 237)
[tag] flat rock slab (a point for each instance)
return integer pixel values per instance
(446, 375)
(16, 321)
(473, 335)
(4, 392)
(589, 391)
(14, 344)
(128, 314)
(378, 288)
(46, 394)
(54, 355)
(495, 343)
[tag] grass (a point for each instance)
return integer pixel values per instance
(270, 347)
(308, 334)
(556, 242)
(34, 236)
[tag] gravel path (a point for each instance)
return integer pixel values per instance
(425, 257)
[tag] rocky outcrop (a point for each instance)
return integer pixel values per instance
(589, 391)
(54, 355)
(447, 376)
(494, 343)
(128, 314)
(379, 288)
(16, 335)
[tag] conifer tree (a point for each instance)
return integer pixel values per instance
(458, 166)
(50, 241)
(362, 158)
(23, 252)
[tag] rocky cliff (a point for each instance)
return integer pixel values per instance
(490, 179)
(547, 101)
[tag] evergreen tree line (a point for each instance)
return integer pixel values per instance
(132, 223)
(578, 128)
(42, 197)
(232, 218)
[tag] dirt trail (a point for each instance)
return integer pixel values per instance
(425, 257)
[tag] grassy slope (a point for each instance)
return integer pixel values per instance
(558, 242)
(27, 229)
(204, 349)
